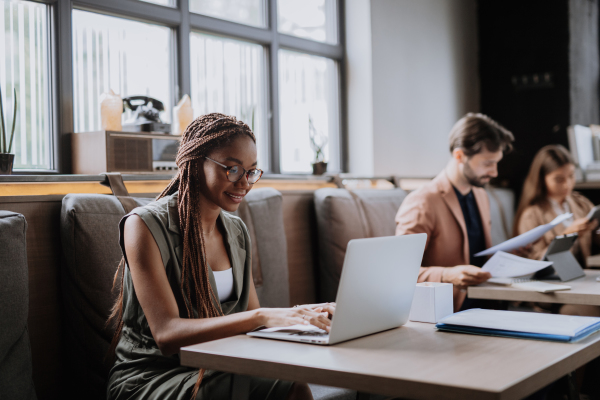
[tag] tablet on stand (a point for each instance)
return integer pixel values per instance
(565, 266)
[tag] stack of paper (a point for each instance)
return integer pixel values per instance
(555, 327)
(505, 265)
(525, 238)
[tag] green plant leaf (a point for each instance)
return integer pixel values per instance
(12, 133)
(2, 128)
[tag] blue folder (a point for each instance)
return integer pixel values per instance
(585, 330)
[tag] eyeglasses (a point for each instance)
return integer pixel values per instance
(236, 172)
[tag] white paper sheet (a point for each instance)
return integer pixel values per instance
(294, 328)
(525, 238)
(505, 265)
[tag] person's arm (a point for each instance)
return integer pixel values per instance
(596, 237)
(531, 218)
(581, 226)
(412, 218)
(464, 275)
(158, 302)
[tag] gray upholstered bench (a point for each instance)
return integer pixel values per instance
(15, 352)
(89, 231)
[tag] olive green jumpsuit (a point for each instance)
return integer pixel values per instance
(140, 370)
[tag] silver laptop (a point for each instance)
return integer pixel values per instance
(375, 292)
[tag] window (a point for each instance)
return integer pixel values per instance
(249, 12)
(129, 57)
(308, 19)
(228, 76)
(274, 64)
(25, 68)
(308, 100)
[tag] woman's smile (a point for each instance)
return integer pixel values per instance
(236, 197)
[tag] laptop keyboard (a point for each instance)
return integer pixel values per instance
(311, 333)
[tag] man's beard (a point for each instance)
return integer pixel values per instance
(473, 179)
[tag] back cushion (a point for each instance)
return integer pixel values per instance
(262, 212)
(502, 210)
(339, 221)
(15, 353)
(91, 252)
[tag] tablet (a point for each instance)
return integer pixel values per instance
(561, 243)
(594, 213)
(564, 265)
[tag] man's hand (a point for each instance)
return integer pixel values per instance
(465, 275)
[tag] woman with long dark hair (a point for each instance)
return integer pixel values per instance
(186, 274)
(548, 192)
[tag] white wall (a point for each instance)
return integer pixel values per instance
(359, 86)
(421, 79)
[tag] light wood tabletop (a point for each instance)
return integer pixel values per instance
(585, 290)
(414, 361)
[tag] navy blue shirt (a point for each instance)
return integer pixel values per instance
(474, 226)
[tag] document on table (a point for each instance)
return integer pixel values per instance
(525, 238)
(505, 265)
(566, 328)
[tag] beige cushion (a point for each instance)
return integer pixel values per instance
(339, 221)
(502, 210)
(262, 212)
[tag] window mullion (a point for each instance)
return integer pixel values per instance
(342, 93)
(183, 53)
(274, 150)
(64, 85)
(132, 9)
(311, 47)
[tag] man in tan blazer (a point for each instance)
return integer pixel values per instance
(454, 209)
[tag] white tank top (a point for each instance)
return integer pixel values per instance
(224, 280)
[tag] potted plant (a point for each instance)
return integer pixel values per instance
(6, 158)
(317, 143)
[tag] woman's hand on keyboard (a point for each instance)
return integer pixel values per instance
(301, 315)
(321, 307)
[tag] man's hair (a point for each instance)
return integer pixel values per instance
(473, 132)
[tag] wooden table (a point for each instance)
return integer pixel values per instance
(584, 290)
(413, 361)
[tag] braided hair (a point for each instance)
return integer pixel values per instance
(202, 136)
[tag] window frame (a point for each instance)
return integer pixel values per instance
(182, 22)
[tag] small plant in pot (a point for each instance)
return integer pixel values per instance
(6, 158)
(317, 143)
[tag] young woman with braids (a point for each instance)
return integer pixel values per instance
(187, 276)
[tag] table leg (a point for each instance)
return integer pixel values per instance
(572, 384)
(240, 387)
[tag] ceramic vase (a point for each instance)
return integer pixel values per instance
(319, 168)
(6, 163)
